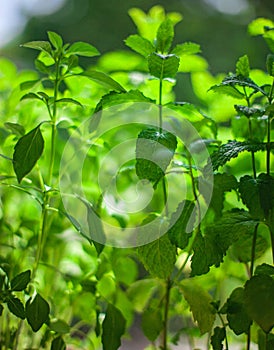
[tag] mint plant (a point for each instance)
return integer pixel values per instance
(199, 266)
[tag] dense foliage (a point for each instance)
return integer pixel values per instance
(117, 200)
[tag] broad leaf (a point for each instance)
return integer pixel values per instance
(139, 44)
(82, 49)
(27, 151)
(199, 301)
(103, 79)
(58, 344)
(152, 323)
(113, 328)
(258, 296)
(154, 152)
(217, 338)
(37, 312)
(237, 317)
(55, 39)
(182, 222)
(163, 66)
(158, 257)
(16, 307)
(20, 282)
(165, 36)
(39, 45)
(187, 48)
(242, 66)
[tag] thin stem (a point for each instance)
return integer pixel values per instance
(253, 250)
(160, 106)
(268, 144)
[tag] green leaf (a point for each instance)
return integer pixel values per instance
(152, 323)
(140, 292)
(70, 100)
(258, 296)
(237, 317)
(165, 35)
(55, 39)
(103, 79)
(259, 25)
(20, 282)
(58, 344)
(158, 257)
(270, 64)
(181, 224)
(139, 44)
(41, 67)
(199, 301)
(154, 152)
(242, 66)
(59, 326)
(16, 307)
(264, 269)
(187, 48)
(1, 309)
(15, 128)
(163, 66)
(228, 90)
(39, 45)
(82, 49)
(31, 96)
(29, 84)
(27, 151)
(113, 328)
(37, 312)
(217, 338)
(249, 111)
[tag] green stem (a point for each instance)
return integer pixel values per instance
(268, 144)
(253, 250)
(160, 106)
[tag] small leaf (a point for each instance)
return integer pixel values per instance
(152, 323)
(39, 45)
(139, 44)
(200, 304)
(37, 312)
(259, 291)
(257, 27)
(217, 338)
(103, 79)
(27, 151)
(113, 328)
(20, 281)
(228, 90)
(163, 66)
(242, 66)
(70, 100)
(41, 67)
(58, 344)
(29, 84)
(187, 48)
(16, 307)
(165, 35)
(55, 39)
(59, 326)
(15, 128)
(82, 49)
(31, 96)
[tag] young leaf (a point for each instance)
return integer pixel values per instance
(163, 66)
(258, 296)
(37, 312)
(200, 305)
(31, 96)
(58, 344)
(257, 27)
(16, 307)
(217, 338)
(165, 35)
(70, 100)
(187, 48)
(182, 224)
(27, 151)
(237, 317)
(103, 79)
(82, 49)
(20, 282)
(139, 44)
(39, 45)
(154, 151)
(113, 328)
(55, 39)
(158, 257)
(152, 323)
(242, 66)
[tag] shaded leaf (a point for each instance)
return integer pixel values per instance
(27, 151)
(15, 128)
(58, 344)
(217, 338)
(249, 111)
(113, 328)
(264, 269)
(139, 44)
(20, 281)
(16, 307)
(59, 326)
(152, 323)
(82, 49)
(37, 312)
(270, 64)
(163, 66)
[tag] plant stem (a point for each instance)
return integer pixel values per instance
(253, 250)
(268, 144)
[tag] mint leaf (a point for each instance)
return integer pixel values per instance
(158, 257)
(165, 35)
(242, 66)
(139, 44)
(20, 282)
(258, 296)
(82, 49)
(56, 40)
(113, 328)
(16, 307)
(181, 224)
(27, 151)
(257, 27)
(163, 66)
(38, 45)
(103, 79)
(37, 312)
(199, 301)
(187, 48)
(154, 152)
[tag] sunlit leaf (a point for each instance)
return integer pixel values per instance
(242, 66)
(139, 44)
(165, 36)
(163, 66)
(55, 39)
(103, 79)
(39, 45)
(82, 49)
